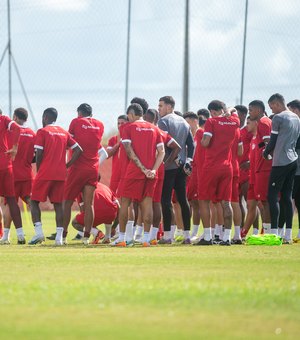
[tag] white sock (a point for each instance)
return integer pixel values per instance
(146, 237)
(218, 228)
(139, 230)
(108, 230)
(133, 231)
(280, 232)
(186, 234)
(255, 231)
(81, 233)
(167, 235)
(6, 232)
(207, 234)
(288, 234)
(38, 229)
(153, 233)
(237, 232)
(222, 232)
(267, 228)
(94, 231)
(20, 232)
(195, 230)
(129, 231)
(59, 233)
(173, 228)
(118, 228)
(274, 231)
(212, 232)
(121, 237)
(226, 235)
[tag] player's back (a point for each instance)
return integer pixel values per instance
(287, 127)
(87, 132)
(104, 196)
(222, 131)
(144, 138)
(22, 163)
(179, 129)
(53, 140)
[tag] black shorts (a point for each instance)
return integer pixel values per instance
(282, 177)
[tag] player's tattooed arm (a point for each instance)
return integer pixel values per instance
(206, 140)
(131, 155)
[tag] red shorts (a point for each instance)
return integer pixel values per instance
(42, 189)
(261, 185)
(106, 216)
(251, 194)
(216, 185)
(192, 187)
(77, 179)
(244, 176)
(235, 197)
(7, 188)
(23, 189)
(158, 190)
(137, 189)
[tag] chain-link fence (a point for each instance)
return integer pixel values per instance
(69, 52)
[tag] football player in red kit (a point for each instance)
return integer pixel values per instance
(51, 144)
(82, 176)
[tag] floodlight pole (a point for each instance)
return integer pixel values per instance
(244, 53)
(127, 55)
(185, 101)
(9, 60)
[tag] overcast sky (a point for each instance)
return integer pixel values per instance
(69, 52)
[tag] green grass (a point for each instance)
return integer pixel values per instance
(178, 292)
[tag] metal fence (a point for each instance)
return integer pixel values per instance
(68, 52)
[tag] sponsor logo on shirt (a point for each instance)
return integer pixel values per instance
(227, 123)
(90, 127)
(26, 135)
(144, 129)
(56, 133)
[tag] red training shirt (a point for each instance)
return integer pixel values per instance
(252, 158)
(22, 164)
(54, 141)
(88, 132)
(264, 127)
(7, 126)
(115, 171)
(144, 138)
(104, 200)
(222, 131)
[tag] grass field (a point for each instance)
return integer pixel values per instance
(166, 292)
